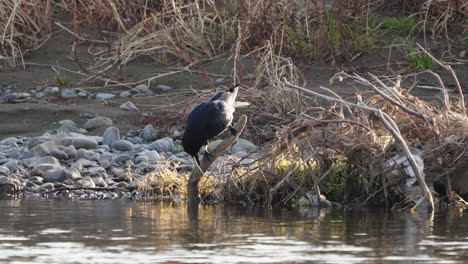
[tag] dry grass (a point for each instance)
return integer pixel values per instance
(23, 24)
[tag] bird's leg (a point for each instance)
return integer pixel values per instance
(233, 130)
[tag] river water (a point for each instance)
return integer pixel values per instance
(123, 231)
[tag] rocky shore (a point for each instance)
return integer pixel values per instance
(9, 93)
(72, 162)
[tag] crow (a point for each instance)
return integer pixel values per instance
(208, 120)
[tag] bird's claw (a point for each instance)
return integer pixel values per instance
(233, 130)
(207, 155)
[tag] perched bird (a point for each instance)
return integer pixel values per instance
(208, 120)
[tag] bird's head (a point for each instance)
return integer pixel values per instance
(229, 96)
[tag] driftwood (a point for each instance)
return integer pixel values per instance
(197, 172)
(390, 126)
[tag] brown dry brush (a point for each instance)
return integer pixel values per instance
(194, 30)
(345, 148)
(23, 24)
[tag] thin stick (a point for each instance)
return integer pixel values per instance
(454, 75)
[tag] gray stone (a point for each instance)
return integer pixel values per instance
(149, 133)
(71, 128)
(176, 133)
(98, 121)
(43, 160)
(132, 133)
(86, 182)
(125, 94)
(43, 149)
(243, 145)
(139, 95)
(68, 94)
(177, 159)
(36, 180)
(12, 142)
(51, 90)
(40, 169)
(11, 164)
(73, 174)
(87, 163)
(77, 165)
(148, 93)
(141, 88)
(99, 182)
(23, 95)
(8, 98)
(55, 175)
(95, 157)
(105, 96)
(110, 135)
(4, 171)
(136, 140)
(59, 154)
(177, 148)
(70, 150)
(98, 139)
(79, 142)
(162, 145)
(83, 94)
(38, 140)
(48, 186)
(140, 159)
(163, 88)
(9, 186)
(105, 164)
(67, 122)
(241, 154)
(151, 155)
(106, 156)
(26, 155)
(121, 158)
(143, 166)
(104, 148)
(40, 95)
(129, 163)
(122, 145)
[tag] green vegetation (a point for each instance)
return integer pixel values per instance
(405, 26)
(334, 35)
(419, 61)
(29, 52)
(62, 80)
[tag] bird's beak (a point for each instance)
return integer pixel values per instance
(235, 88)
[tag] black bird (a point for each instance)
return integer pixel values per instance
(208, 120)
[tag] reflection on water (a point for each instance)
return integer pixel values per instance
(60, 231)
